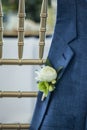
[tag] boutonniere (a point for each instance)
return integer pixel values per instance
(46, 78)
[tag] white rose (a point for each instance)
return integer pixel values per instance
(47, 73)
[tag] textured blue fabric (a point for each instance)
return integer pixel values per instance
(66, 107)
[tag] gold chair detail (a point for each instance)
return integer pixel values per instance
(20, 61)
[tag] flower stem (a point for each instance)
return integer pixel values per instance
(43, 97)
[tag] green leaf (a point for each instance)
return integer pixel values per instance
(51, 88)
(41, 86)
(48, 62)
(59, 69)
(46, 84)
(46, 92)
(45, 87)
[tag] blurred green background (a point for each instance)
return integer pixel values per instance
(32, 10)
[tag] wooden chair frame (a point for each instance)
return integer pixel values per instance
(20, 61)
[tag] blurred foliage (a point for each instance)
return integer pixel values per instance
(49, 3)
(33, 8)
(10, 5)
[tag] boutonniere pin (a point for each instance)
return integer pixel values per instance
(46, 78)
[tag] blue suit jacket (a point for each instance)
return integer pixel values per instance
(66, 107)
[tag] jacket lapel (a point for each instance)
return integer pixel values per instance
(41, 106)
